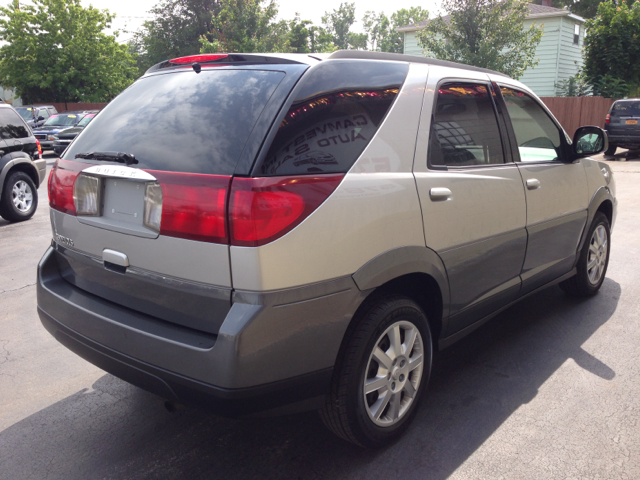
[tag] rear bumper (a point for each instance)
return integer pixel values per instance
(270, 351)
(624, 141)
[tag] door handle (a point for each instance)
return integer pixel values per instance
(533, 183)
(439, 194)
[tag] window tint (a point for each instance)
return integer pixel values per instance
(11, 125)
(537, 136)
(338, 109)
(464, 130)
(182, 121)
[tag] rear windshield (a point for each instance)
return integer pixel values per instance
(183, 121)
(62, 120)
(626, 108)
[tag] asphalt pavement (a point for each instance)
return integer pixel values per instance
(548, 389)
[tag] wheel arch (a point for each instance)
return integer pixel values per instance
(602, 201)
(20, 164)
(415, 272)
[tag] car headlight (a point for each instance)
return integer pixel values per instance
(51, 137)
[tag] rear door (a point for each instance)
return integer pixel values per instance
(556, 191)
(153, 236)
(471, 193)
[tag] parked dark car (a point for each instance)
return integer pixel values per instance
(55, 124)
(65, 137)
(622, 125)
(35, 116)
(22, 168)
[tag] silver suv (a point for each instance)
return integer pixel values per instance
(271, 234)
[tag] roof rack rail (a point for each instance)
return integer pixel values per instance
(400, 57)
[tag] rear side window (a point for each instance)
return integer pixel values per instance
(621, 109)
(11, 125)
(43, 112)
(464, 129)
(336, 113)
(183, 121)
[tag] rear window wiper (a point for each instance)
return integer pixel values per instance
(126, 158)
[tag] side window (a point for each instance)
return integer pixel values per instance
(11, 125)
(464, 130)
(44, 112)
(338, 110)
(538, 137)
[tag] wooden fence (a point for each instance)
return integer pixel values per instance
(63, 107)
(574, 112)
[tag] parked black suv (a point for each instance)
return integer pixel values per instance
(622, 125)
(22, 168)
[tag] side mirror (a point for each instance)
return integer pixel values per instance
(40, 118)
(589, 141)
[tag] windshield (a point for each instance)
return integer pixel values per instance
(86, 119)
(626, 109)
(183, 121)
(61, 120)
(25, 112)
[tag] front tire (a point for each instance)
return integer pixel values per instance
(19, 197)
(380, 374)
(593, 261)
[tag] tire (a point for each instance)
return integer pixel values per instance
(19, 197)
(611, 150)
(350, 412)
(593, 260)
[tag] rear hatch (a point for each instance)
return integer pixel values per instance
(625, 118)
(138, 199)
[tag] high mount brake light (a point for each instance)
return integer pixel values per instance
(264, 209)
(198, 58)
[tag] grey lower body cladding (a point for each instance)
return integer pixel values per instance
(277, 349)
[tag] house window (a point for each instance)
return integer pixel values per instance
(576, 34)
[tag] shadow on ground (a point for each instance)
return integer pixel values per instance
(117, 431)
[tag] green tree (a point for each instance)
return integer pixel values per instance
(247, 26)
(338, 24)
(484, 33)
(383, 32)
(175, 30)
(612, 50)
(57, 51)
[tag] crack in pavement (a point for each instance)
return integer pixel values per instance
(16, 289)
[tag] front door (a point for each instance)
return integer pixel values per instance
(556, 191)
(472, 198)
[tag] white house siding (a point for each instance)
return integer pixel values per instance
(571, 59)
(542, 77)
(411, 46)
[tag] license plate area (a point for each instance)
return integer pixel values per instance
(631, 122)
(122, 208)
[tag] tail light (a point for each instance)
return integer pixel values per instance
(39, 149)
(193, 206)
(607, 119)
(264, 209)
(197, 206)
(61, 182)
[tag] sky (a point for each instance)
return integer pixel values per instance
(132, 13)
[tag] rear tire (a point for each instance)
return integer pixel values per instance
(593, 261)
(19, 197)
(611, 150)
(380, 373)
